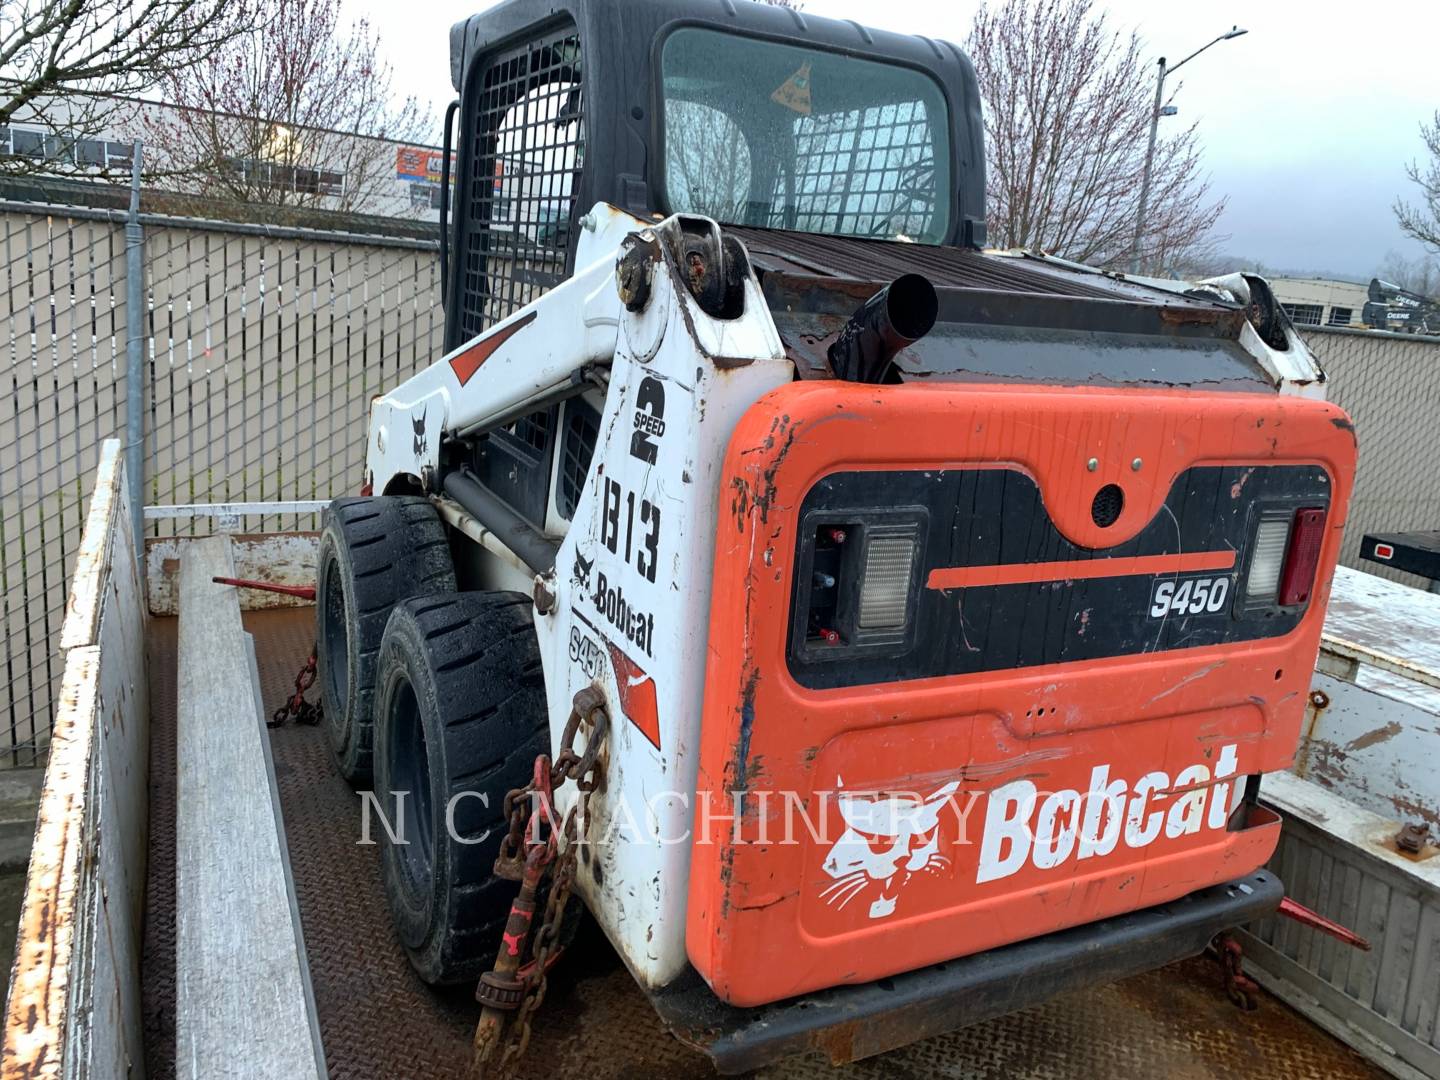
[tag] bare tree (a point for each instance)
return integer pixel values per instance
(1067, 106)
(62, 63)
(1423, 221)
(1420, 275)
(297, 112)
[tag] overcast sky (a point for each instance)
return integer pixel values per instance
(1307, 121)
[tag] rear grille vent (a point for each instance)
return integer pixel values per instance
(533, 431)
(582, 428)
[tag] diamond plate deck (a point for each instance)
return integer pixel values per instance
(379, 1021)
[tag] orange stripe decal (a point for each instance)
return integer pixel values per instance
(637, 695)
(468, 362)
(961, 577)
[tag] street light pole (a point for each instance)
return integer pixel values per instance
(1233, 32)
(1149, 165)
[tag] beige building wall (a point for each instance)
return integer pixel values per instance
(1321, 301)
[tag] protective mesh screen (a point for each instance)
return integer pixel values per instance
(528, 130)
(582, 429)
(862, 172)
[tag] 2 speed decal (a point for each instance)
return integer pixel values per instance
(1189, 596)
(649, 419)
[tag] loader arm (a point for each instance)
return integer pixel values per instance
(551, 349)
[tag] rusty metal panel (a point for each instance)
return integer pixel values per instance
(277, 558)
(1373, 718)
(74, 1007)
(1341, 861)
(1365, 767)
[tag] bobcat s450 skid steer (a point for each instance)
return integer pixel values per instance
(905, 627)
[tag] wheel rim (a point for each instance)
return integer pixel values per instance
(410, 772)
(336, 639)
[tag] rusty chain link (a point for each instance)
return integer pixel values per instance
(526, 858)
(305, 712)
(1239, 987)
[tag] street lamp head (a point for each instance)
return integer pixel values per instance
(1235, 32)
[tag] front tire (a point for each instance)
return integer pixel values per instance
(374, 552)
(460, 715)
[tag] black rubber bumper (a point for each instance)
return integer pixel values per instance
(853, 1022)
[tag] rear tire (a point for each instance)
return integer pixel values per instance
(460, 715)
(374, 552)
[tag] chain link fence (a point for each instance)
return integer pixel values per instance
(262, 346)
(1390, 386)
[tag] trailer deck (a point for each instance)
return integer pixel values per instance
(378, 1020)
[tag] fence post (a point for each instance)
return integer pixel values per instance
(135, 358)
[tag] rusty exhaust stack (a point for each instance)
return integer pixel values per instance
(898, 315)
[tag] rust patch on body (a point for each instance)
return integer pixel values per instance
(838, 1042)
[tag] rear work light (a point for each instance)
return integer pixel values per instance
(885, 586)
(861, 588)
(1285, 556)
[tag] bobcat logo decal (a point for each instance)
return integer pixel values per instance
(419, 426)
(580, 574)
(888, 839)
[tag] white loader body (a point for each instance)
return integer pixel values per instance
(631, 578)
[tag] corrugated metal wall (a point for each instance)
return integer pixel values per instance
(262, 347)
(1390, 385)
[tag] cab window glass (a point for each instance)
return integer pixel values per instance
(763, 133)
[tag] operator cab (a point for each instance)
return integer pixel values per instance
(750, 114)
(756, 116)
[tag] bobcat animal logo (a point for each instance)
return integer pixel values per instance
(419, 425)
(888, 839)
(581, 572)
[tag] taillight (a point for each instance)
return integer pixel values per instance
(1302, 556)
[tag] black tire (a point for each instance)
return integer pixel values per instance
(374, 552)
(459, 710)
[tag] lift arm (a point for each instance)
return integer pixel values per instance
(549, 350)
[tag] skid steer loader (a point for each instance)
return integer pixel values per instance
(912, 623)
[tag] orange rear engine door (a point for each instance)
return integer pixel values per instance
(989, 662)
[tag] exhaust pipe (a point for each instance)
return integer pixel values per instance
(898, 315)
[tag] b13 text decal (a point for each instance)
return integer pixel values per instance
(629, 542)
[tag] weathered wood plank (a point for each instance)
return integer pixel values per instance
(243, 1005)
(74, 1006)
(38, 1013)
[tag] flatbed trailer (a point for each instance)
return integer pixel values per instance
(96, 989)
